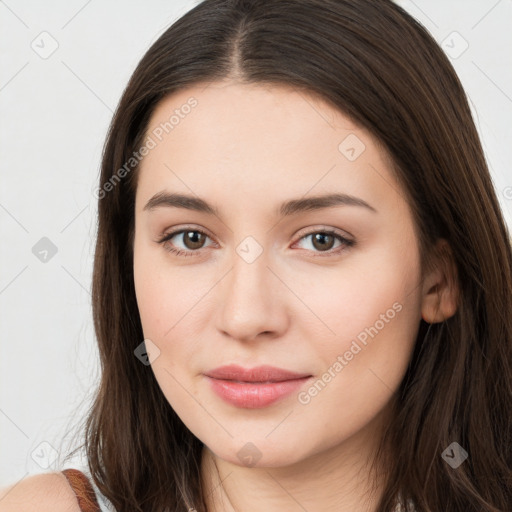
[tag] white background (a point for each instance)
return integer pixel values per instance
(54, 113)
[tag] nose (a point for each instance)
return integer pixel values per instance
(252, 301)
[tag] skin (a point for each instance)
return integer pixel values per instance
(245, 149)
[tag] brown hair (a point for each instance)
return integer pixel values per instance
(374, 62)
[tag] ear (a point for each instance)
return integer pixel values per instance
(440, 289)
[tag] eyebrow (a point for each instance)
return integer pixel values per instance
(288, 208)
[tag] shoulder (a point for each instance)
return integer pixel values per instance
(43, 492)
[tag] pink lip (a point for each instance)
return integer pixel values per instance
(254, 388)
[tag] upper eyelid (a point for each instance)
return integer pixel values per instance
(179, 231)
(324, 228)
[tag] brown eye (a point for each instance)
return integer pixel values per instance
(193, 239)
(323, 241)
(190, 240)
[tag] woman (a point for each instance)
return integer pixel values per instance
(302, 279)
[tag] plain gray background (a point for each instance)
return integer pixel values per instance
(64, 66)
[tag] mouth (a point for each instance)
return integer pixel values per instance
(254, 388)
(258, 374)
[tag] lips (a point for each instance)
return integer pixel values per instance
(254, 387)
(260, 374)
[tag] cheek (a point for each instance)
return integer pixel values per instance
(169, 309)
(370, 309)
(171, 302)
(148, 292)
(160, 294)
(373, 311)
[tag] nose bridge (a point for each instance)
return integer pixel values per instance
(249, 280)
(249, 298)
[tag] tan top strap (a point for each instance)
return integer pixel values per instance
(83, 490)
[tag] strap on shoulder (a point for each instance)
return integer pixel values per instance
(83, 490)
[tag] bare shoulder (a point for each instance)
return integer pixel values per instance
(43, 492)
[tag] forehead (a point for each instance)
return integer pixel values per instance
(267, 139)
(256, 114)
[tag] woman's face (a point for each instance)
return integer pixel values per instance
(297, 251)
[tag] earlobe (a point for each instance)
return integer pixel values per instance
(440, 291)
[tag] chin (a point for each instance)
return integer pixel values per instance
(260, 452)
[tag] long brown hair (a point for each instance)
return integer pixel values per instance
(374, 62)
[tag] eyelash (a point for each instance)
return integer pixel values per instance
(346, 243)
